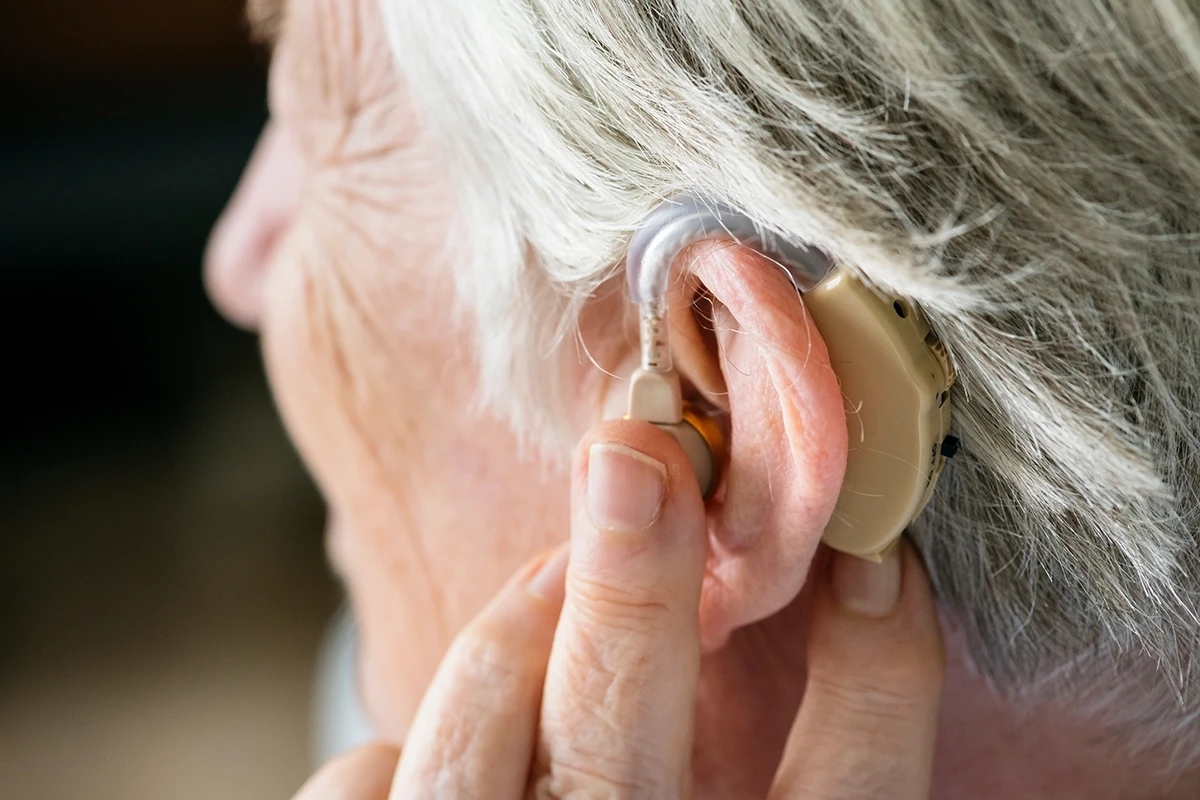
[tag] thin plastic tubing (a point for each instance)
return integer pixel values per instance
(683, 220)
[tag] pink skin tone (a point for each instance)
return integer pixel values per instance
(329, 248)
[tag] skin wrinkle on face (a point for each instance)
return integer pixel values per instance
(433, 504)
(342, 233)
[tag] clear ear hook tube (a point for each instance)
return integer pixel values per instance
(654, 389)
(685, 219)
(675, 224)
(679, 222)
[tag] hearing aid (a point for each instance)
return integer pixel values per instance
(894, 373)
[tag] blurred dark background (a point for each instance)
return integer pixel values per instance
(163, 589)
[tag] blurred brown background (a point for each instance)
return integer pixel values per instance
(163, 589)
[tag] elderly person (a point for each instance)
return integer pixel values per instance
(430, 240)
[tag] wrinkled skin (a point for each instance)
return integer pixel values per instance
(330, 249)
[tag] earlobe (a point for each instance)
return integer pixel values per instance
(767, 364)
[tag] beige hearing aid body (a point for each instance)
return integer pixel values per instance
(894, 374)
(895, 380)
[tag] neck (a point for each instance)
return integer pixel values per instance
(989, 749)
(986, 750)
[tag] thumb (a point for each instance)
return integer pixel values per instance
(868, 720)
(620, 688)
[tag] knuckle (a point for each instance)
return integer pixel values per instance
(481, 655)
(620, 607)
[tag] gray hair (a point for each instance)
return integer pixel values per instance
(1028, 171)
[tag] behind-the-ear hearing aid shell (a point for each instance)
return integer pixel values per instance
(895, 379)
(894, 373)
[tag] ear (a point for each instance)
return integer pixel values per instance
(742, 338)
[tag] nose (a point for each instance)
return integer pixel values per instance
(244, 238)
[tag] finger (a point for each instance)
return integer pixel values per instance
(867, 724)
(364, 773)
(620, 692)
(473, 735)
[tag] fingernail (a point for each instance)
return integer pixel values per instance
(865, 587)
(549, 581)
(625, 488)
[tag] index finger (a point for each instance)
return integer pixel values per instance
(621, 685)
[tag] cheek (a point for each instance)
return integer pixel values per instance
(433, 507)
(312, 347)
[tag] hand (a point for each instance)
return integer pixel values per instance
(582, 682)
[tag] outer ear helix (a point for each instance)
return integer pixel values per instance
(893, 370)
